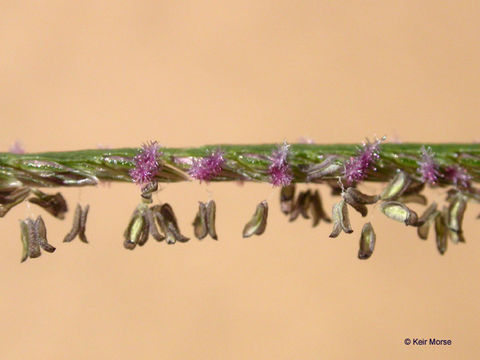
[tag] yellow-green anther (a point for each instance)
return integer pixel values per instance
(413, 198)
(200, 223)
(287, 199)
(367, 242)
(25, 237)
(134, 230)
(399, 212)
(441, 232)
(396, 186)
(211, 215)
(456, 210)
(258, 222)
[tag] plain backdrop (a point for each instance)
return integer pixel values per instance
(76, 75)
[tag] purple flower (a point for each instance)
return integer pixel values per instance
(279, 169)
(357, 166)
(147, 165)
(17, 148)
(458, 176)
(428, 167)
(208, 167)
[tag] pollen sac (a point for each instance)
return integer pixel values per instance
(79, 224)
(34, 237)
(301, 205)
(426, 220)
(441, 232)
(168, 223)
(357, 200)
(211, 215)
(413, 198)
(12, 197)
(287, 199)
(317, 211)
(136, 230)
(258, 223)
(152, 226)
(200, 223)
(396, 186)
(54, 204)
(367, 242)
(456, 211)
(147, 190)
(341, 220)
(397, 211)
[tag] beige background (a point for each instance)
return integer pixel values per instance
(74, 75)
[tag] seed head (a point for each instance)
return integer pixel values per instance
(147, 164)
(458, 176)
(356, 167)
(279, 169)
(208, 167)
(428, 167)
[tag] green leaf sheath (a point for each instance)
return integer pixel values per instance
(243, 162)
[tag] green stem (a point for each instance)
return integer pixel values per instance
(244, 162)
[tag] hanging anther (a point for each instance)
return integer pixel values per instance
(54, 204)
(456, 211)
(400, 212)
(441, 231)
(79, 224)
(204, 223)
(11, 197)
(301, 205)
(396, 186)
(168, 223)
(137, 229)
(356, 199)
(426, 220)
(341, 220)
(287, 199)
(367, 242)
(258, 222)
(34, 237)
(317, 211)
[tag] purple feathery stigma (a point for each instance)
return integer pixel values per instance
(147, 165)
(279, 169)
(458, 176)
(16, 148)
(357, 166)
(208, 167)
(428, 167)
